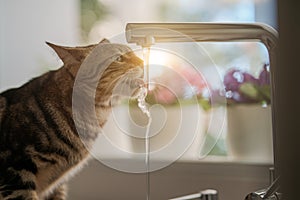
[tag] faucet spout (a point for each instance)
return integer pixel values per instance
(200, 32)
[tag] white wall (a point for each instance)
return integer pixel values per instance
(24, 28)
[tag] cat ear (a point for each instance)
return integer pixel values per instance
(104, 41)
(66, 54)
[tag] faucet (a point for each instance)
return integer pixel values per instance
(147, 34)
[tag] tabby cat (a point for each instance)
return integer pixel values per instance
(40, 143)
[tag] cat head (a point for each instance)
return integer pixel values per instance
(112, 70)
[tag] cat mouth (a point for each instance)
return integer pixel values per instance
(138, 82)
(136, 90)
(129, 84)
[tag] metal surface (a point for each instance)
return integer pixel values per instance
(208, 194)
(150, 33)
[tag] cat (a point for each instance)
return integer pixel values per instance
(41, 142)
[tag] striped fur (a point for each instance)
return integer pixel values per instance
(40, 147)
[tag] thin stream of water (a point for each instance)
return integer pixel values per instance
(146, 55)
(144, 108)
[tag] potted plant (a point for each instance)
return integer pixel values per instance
(249, 135)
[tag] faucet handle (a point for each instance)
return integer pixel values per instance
(273, 189)
(271, 193)
(208, 194)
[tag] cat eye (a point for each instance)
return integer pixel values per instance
(119, 58)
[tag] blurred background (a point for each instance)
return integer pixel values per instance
(26, 25)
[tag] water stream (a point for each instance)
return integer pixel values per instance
(145, 109)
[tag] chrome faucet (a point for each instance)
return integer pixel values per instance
(147, 34)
